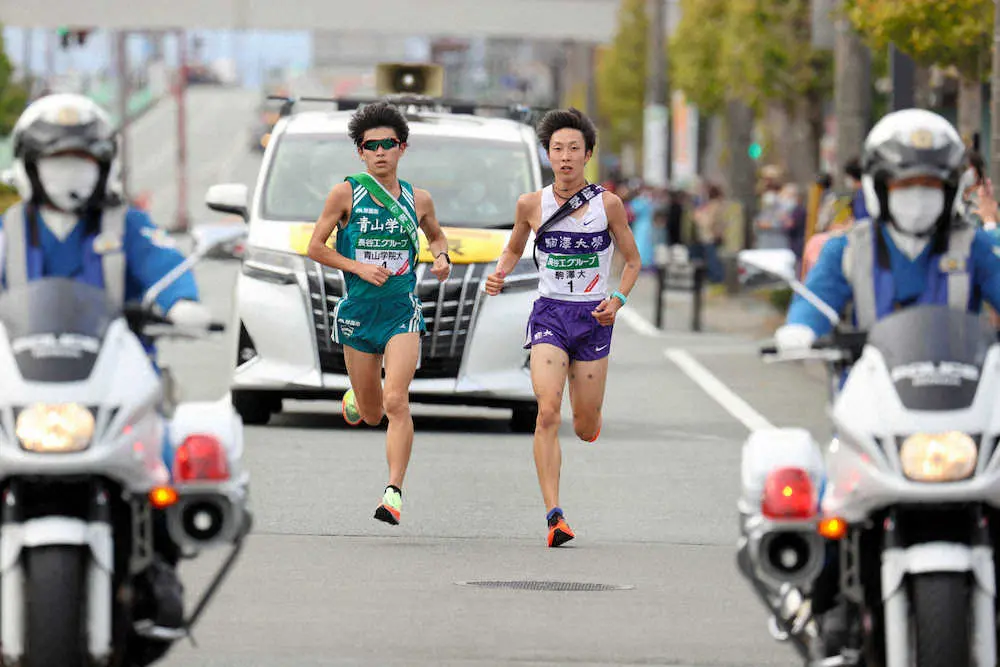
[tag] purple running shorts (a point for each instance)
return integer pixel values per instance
(569, 326)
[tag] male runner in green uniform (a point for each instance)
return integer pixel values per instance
(379, 320)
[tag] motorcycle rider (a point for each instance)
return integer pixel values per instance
(72, 221)
(914, 249)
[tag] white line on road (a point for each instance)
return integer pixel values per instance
(714, 387)
(639, 323)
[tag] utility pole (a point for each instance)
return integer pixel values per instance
(121, 74)
(181, 224)
(903, 73)
(852, 97)
(995, 100)
(656, 116)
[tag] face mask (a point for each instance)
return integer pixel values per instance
(770, 198)
(68, 181)
(915, 210)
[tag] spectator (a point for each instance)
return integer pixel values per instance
(793, 218)
(769, 229)
(710, 232)
(852, 178)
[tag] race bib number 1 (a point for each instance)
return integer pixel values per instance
(575, 274)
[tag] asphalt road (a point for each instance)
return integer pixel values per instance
(652, 503)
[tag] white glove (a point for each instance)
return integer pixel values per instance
(794, 338)
(190, 314)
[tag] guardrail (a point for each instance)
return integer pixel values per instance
(677, 272)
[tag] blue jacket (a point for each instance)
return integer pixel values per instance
(908, 280)
(149, 255)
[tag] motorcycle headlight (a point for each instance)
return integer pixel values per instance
(45, 428)
(941, 457)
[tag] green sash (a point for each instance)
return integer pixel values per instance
(400, 214)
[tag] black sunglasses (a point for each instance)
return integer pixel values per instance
(373, 144)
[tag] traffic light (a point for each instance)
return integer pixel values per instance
(67, 36)
(755, 151)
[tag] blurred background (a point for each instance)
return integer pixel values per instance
(700, 103)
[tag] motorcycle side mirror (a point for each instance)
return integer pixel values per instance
(780, 263)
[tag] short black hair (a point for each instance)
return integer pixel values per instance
(379, 114)
(853, 168)
(977, 163)
(567, 119)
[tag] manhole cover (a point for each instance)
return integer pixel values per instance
(547, 585)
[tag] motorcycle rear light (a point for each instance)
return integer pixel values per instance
(788, 494)
(833, 528)
(162, 497)
(201, 458)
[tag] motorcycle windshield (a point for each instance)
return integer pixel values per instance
(55, 327)
(935, 355)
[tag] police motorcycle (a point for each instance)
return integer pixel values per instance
(84, 489)
(907, 489)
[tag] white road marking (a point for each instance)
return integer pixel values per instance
(638, 323)
(719, 392)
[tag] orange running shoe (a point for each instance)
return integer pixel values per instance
(559, 531)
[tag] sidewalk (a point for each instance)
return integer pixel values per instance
(747, 314)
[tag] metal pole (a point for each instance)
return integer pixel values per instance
(181, 224)
(121, 74)
(28, 34)
(995, 101)
(661, 287)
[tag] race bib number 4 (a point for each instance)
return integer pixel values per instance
(575, 274)
(391, 254)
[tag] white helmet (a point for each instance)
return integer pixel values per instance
(66, 123)
(905, 144)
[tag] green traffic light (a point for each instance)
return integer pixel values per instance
(755, 151)
(63, 32)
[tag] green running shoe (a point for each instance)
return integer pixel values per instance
(349, 408)
(392, 503)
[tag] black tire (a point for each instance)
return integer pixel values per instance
(522, 419)
(253, 408)
(55, 596)
(940, 602)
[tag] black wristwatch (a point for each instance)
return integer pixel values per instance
(446, 256)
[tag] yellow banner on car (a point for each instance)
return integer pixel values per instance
(465, 246)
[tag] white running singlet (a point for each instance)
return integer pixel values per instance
(574, 254)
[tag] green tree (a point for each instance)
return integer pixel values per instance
(697, 54)
(948, 33)
(621, 78)
(13, 96)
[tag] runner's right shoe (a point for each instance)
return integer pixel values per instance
(349, 408)
(559, 531)
(392, 505)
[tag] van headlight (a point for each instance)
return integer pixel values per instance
(271, 266)
(55, 428)
(524, 276)
(938, 457)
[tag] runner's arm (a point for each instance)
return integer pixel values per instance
(511, 255)
(437, 243)
(622, 234)
(337, 207)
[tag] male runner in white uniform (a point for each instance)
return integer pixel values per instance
(569, 333)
